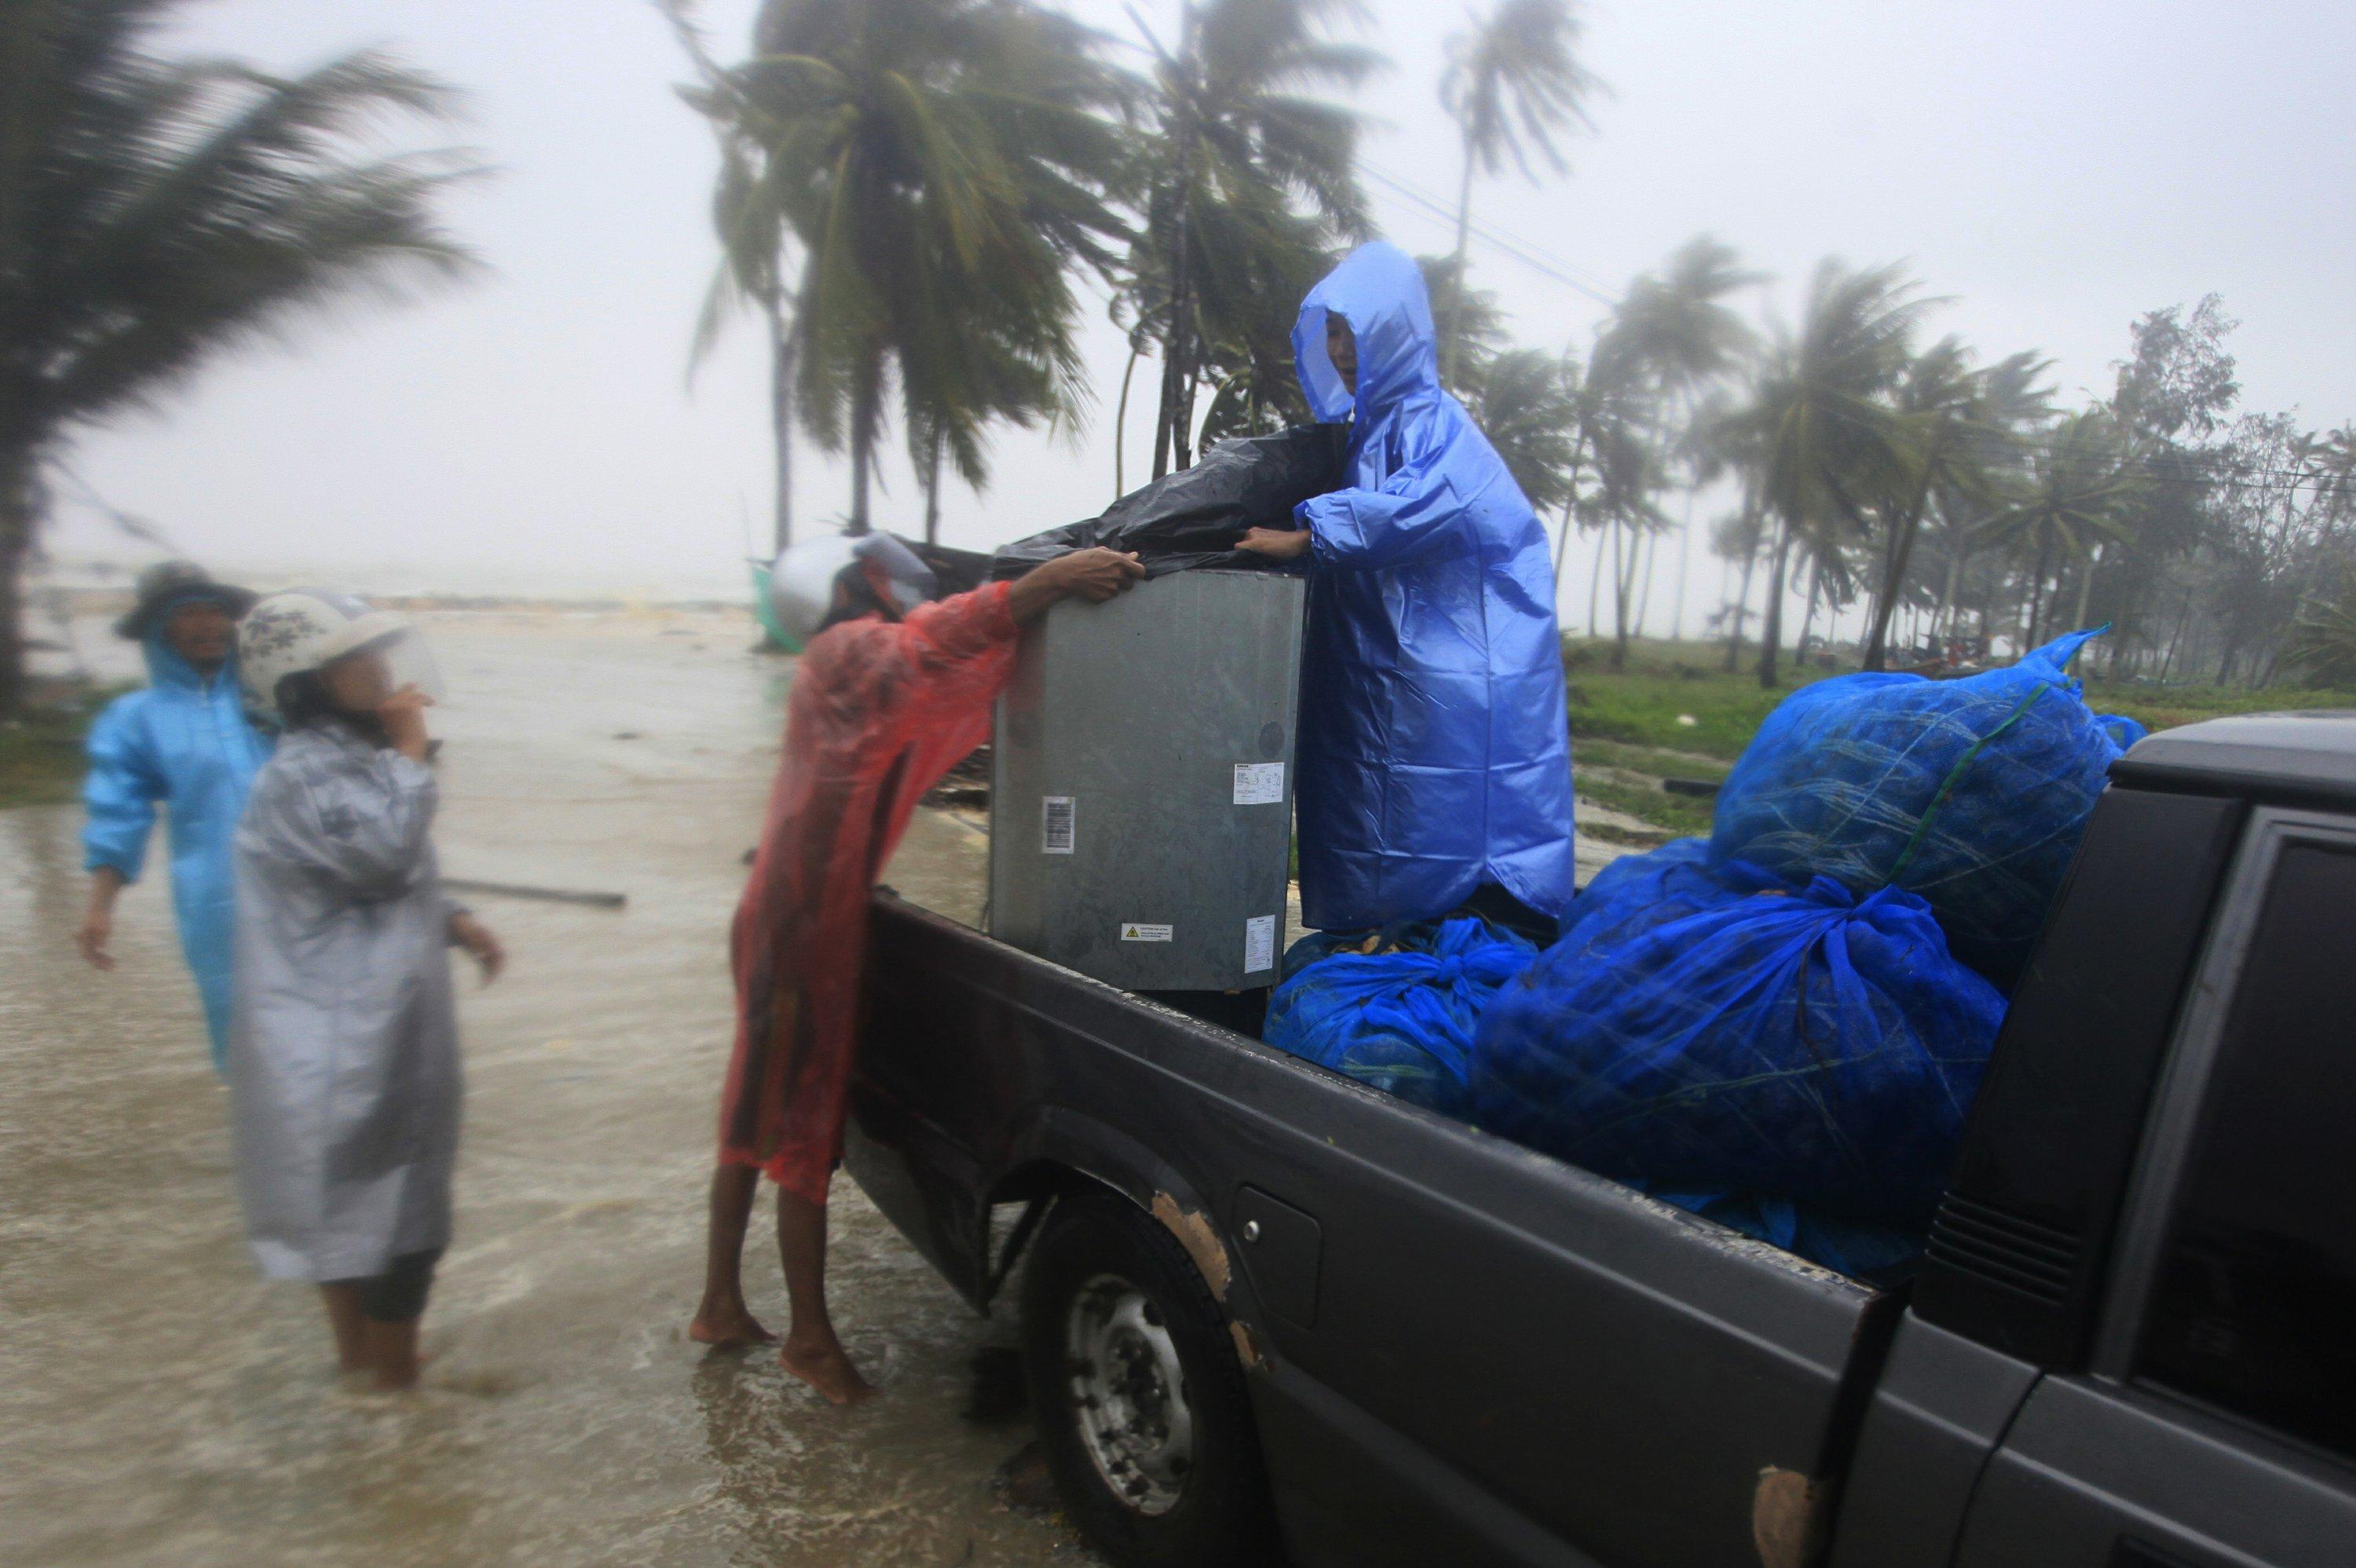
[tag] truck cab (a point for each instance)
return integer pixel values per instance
(1271, 1309)
(2144, 1265)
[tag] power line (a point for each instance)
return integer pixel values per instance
(1520, 249)
(1480, 229)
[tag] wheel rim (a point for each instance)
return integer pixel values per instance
(1129, 1394)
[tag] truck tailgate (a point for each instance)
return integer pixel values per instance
(1465, 1351)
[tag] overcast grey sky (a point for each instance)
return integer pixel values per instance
(2056, 169)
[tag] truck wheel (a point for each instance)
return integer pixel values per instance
(1140, 1404)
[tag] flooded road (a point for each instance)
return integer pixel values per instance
(160, 1403)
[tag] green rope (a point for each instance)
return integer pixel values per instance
(1955, 777)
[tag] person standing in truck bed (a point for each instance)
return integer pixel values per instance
(893, 689)
(1435, 744)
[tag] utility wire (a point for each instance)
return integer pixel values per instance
(2027, 444)
(1528, 255)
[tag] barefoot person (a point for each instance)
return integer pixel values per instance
(344, 1051)
(894, 689)
(183, 743)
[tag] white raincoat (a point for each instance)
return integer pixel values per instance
(344, 1054)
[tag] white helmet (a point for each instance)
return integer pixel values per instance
(803, 580)
(305, 630)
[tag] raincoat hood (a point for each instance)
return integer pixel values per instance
(169, 584)
(1378, 289)
(168, 669)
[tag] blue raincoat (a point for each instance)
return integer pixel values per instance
(1435, 744)
(184, 742)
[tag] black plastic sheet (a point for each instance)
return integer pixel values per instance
(1193, 517)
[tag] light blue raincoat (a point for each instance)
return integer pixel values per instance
(184, 742)
(1435, 745)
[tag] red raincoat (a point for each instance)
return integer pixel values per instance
(879, 711)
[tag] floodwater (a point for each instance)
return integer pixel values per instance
(160, 1403)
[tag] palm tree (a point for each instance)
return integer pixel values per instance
(2333, 457)
(755, 266)
(1614, 468)
(1939, 395)
(938, 167)
(1245, 184)
(1512, 83)
(1531, 417)
(1670, 339)
(1247, 309)
(2329, 461)
(2323, 640)
(156, 213)
(2081, 488)
(2011, 402)
(1825, 436)
(1480, 325)
(1740, 537)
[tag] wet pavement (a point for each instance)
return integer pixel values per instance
(160, 1403)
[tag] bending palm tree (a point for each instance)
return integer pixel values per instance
(1671, 337)
(754, 267)
(1245, 184)
(2011, 401)
(155, 213)
(1825, 437)
(2080, 493)
(939, 166)
(1478, 325)
(2323, 640)
(1531, 417)
(1939, 395)
(1512, 83)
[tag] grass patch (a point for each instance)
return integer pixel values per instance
(1632, 718)
(2166, 706)
(1632, 838)
(1676, 815)
(1672, 696)
(41, 760)
(1661, 762)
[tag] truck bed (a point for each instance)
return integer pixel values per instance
(1439, 1324)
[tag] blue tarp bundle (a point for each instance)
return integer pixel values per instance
(1971, 793)
(1401, 1017)
(1712, 1027)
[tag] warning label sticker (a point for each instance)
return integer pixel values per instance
(1138, 931)
(1259, 784)
(1055, 824)
(1259, 944)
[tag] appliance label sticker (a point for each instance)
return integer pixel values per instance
(1259, 944)
(1259, 784)
(1056, 821)
(1138, 931)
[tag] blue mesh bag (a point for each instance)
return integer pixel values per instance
(1674, 880)
(1971, 793)
(1401, 1017)
(1720, 1029)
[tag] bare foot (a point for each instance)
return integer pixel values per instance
(826, 1369)
(728, 1325)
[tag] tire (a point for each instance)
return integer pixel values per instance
(1111, 1305)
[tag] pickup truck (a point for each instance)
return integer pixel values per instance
(1270, 1314)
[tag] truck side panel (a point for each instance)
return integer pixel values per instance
(1606, 1375)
